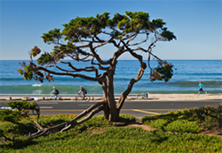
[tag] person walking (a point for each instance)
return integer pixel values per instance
(55, 93)
(201, 88)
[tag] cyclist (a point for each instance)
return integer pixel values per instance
(55, 93)
(83, 92)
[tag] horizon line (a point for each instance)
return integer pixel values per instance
(108, 59)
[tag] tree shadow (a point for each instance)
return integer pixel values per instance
(157, 138)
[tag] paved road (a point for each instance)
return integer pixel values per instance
(135, 108)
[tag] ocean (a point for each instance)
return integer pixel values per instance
(187, 74)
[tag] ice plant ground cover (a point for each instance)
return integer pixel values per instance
(179, 131)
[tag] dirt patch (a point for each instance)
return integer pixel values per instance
(143, 126)
(134, 124)
(98, 131)
(213, 132)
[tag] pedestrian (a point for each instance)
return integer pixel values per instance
(201, 88)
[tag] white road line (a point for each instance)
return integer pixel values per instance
(45, 107)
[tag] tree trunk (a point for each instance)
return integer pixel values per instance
(113, 115)
(106, 107)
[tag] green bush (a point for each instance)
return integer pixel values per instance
(188, 120)
(21, 105)
(10, 115)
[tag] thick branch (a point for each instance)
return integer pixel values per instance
(102, 43)
(69, 124)
(37, 125)
(6, 137)
(93, 112)
(97, 56)
(87, 69)
(86, 111)
(133, 37)
(100, 67)
(68, 74)
(131, 83)
(140, 42)
(81, 41)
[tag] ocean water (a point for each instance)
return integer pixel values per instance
(187, 74)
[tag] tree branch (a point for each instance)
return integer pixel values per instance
(100, 67)
(87, 69)
(97, 56)
(131, 83)
(103, 43)
(6, 137)
(67, 125)
(81, 41)
(68, 74)
(93, 112)
(140, 42)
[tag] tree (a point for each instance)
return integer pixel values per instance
(81, 39)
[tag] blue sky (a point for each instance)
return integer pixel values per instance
(196, 24)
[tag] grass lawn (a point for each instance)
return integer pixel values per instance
(174, 132)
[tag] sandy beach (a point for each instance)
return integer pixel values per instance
(151, 97)
(178, 97)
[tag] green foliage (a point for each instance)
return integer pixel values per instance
(20, 71)
(111, 139)
(62, 50)
(163, 71)
(175, 125)
(96, 31)
(44, 58)
(193, 120)
(15, 115)
(167, 34)
(52, 36)
(131, 22)
(28, 72)
(158, 23)
(19, 105)
(126, 118)
(10, 115)
(35, 51)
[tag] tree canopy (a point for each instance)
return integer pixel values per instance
(81, 40)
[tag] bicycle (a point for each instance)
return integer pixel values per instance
(58, 98)
(78, 97)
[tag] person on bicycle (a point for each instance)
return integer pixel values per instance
(83, 91)
(55, 93)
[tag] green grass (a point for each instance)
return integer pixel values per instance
(98, 135)
(118, 140)
(191, 120)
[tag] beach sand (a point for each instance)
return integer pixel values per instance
(182, 97)
(151, 97)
